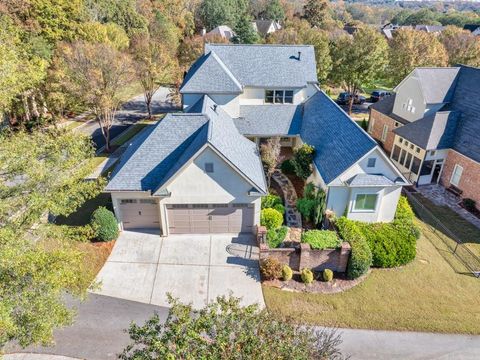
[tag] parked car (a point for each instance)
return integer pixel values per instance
(378, 95)
(344, 98)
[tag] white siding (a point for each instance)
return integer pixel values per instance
(228, 102)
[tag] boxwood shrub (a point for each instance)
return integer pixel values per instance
(270, 200)
(271, 218)
(361, 255)
(321, 239)
(276, 236)
(104, 224)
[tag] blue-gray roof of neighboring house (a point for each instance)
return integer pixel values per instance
(210, 75)
(437, 84)
(269, 120)
(467, 102)
(369, 180)
(156, 156)
(231, 66)
(436, 131)
(339, 142)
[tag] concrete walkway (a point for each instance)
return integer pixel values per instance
(144, 267)
(293, 217)
(33, 356)
(392, 345)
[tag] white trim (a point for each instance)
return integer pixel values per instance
(457, 167)
(384, 133)
(354, 203)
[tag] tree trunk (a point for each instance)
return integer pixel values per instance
(35, 112)
(25, 107)
(148, 101)
(350, 103)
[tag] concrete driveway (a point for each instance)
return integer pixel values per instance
(196, 269)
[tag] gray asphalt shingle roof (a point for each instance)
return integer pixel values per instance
(273, 66)
(436, 131)
(210, 75)
(437, 83)
(154, 157)
(338, 141)
(269, 120)
(369, 180)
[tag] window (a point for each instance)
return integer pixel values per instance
(396, 153)
(384, 132)
(417, 149)
(371, 162)
(241, 205)
(279, 96)
(128, 201)
(402, 157)
(209, 167)
(426, 168)
(365, 202)
(397, 124)
(416, 165)
(200, 206)
(411, 146)
(400, 140)
(147, 201)
(406, 143)
(408, 161)
(456, 175)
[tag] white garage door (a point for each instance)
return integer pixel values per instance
(140, 214)
(210, 218)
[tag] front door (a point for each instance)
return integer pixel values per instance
(436, 173)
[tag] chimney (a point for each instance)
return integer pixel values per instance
(299, 55)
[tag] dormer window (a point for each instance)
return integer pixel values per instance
(279, 96)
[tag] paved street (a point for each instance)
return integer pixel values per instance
(131, 112)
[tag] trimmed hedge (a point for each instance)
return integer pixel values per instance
(104, 224)
(280, 208)
(321, 239)
(271, 269)
(271, 218)
(287, 273)
(327, 275)
(307, 276)
(361, 255)
(276, 236)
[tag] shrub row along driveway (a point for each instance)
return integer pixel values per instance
(144, 267)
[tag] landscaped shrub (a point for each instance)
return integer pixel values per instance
(287, 167)
(361, 255)
(321, 239)
(276, 236)
(307, 276)
(306, 207)
(312, 205)
(327, 275)
(271, 218)
(287, 273)
(302, 160)
(404, 211)
(104, 224)
(72, 233)
(270, 269)
(280, 208)
(469, 204)
(270, 200)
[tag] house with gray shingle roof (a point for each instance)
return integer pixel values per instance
(431, 128)
(200, 171)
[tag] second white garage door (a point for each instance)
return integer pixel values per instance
(210, 218)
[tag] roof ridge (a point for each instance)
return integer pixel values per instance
(260, 45)
(226, 69)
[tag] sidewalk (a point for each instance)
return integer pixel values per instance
(32, 356)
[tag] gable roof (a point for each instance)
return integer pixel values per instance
(262, 26)
(223, 30)
(339, 142)
(156, 157)
(435, 131)
(363, 180)
(269, 119)
(210, 75)
(437, 84)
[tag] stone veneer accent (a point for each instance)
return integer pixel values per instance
(470, 180)
(376, 122)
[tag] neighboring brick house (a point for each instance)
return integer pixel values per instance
(431, 128)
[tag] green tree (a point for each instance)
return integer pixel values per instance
(410, 49)
(154, 66)
(461, 45)
(422, 17)
(244, 31)
(225, 330)
(358, 60)
(110, 33)
(95, 73)
(317, 13)
(213, 13)
(274, 11)
(302, 160)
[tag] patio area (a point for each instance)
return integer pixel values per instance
(441, 197)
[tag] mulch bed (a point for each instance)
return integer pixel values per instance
(298, 184)
(107, 246)
(338, 284)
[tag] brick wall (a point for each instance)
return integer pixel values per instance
(376, 123)
(470, 180)
(304, 257)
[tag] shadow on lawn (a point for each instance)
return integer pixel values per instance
(84, 213)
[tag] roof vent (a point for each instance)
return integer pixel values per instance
(299, 55)
(215, 107)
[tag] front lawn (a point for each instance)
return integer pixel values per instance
(425, 295)
(84, 213)
(462, 228)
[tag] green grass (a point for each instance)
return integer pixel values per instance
(129, 133)
(430, 294)
(463, 229)
(131, 90)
